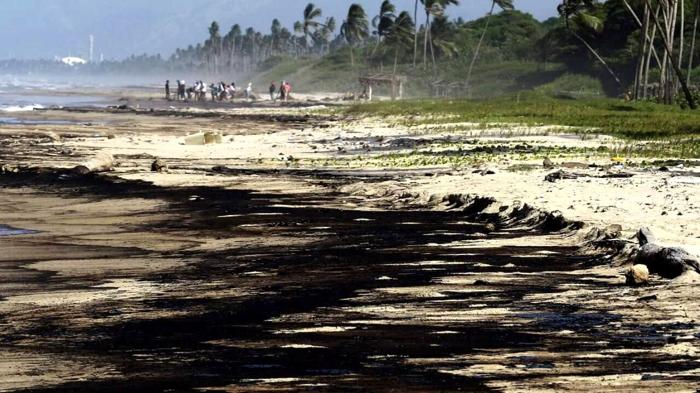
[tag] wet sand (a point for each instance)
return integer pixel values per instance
(242, 270)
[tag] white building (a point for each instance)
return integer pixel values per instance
(73, 61)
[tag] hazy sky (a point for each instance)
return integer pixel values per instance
(48, 28)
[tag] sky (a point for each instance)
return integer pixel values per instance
(48, 28)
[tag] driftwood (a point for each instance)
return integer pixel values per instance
(668, 262)
(564, 175)
(101, 162)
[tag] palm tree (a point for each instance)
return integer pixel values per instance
(234, 36)
(432, 7)
(355, 29)
(576, 15)
(399, 35)
(692, 42)
(504, 5)
(323, 35)
(309, 24)
(415, 34)
(275, 32)
(385, 20)
(214, 46)
(668, 47)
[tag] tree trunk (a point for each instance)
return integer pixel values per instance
(600, 59)
(640, 24)
(671, 78)
(641, 55)
(415, 35)
(478, 48)
(432, 49)
(688, 95)
(425, 39)
(692, 42)
(682, 42)
(396, 59)
(648, 59)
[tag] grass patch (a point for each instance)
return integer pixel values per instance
(637, 121)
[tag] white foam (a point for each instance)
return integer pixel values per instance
(21, 108)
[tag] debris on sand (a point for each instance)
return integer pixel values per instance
(204, 138)
(547, 163)
(560, 175)
(101, 162)
(485, 171)
(612, 231)
(159, 166)
(637, 275)
(5, 168)
(564, 175)
(668, 262)
(54, 137)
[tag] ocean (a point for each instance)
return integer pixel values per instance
(26, 96)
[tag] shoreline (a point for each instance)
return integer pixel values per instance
(333, 142)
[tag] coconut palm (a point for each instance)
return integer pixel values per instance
(502, 4)
(668, 47)
(309, 24)
(214, 44)
(399, 35)
(432, 7)
(231, 42)
(577, 16)
(325, 33)
(415, 34)
(355, 29)
(385, 20)
(692, 43)
(275, 31)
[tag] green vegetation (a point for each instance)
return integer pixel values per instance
(646, 50)
(631, 120)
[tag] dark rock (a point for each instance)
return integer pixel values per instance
(159, 166)
(613, 231)
(648, 298)
(668, 262)
(81, 170)
(645, 236)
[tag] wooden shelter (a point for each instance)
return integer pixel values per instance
(442, 88)
(394, 82)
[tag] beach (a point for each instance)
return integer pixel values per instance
(299, 248)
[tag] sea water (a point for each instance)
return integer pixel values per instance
(10, 231)
(16, 97)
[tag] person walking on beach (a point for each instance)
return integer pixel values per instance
(273, 91)
(249, 90)
(283, 93)
(167, 90)
(182, 86)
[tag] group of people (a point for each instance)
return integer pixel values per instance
(219, 91)
(284, 92)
